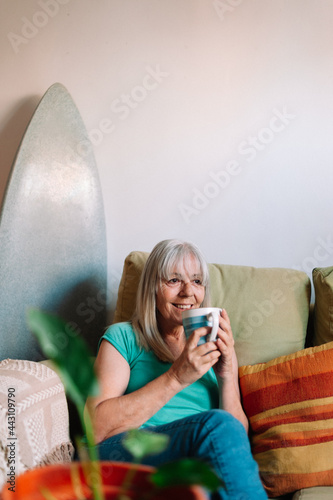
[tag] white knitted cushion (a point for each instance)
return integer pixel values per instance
(34, 425)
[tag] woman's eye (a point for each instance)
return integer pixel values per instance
(198, 282)
(173, 281)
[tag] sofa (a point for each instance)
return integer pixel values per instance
(284, 346)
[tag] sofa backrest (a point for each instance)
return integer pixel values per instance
(268, 307)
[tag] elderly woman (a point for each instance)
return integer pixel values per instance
(153, 377)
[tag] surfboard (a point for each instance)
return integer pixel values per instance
(52, 230)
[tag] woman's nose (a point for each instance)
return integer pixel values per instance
(187, 289)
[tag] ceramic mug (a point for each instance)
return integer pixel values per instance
(202, 316)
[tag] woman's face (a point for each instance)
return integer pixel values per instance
(183, 290)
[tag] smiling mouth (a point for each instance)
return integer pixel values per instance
(183, 307)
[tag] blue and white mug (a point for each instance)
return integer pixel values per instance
(202, 316)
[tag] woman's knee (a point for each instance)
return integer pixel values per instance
(222, 419)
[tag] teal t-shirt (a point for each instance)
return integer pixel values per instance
(145, 366)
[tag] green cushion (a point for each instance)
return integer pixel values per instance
(128, 286)
(268, 307)
(317, 493)
(323, 310)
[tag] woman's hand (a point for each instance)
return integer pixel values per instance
(225, 367)
(226, 370)
(195, 361)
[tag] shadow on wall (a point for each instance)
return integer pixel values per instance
(82, 304)
(11, 135)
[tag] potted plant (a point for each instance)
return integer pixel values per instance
(91, 478)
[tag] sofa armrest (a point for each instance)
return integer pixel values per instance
(34, 427)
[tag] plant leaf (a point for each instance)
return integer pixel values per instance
(141, 443)
(69, 353)
(187, 471)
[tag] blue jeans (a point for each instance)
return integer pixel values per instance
(215, 437)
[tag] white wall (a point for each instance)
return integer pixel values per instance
(241, 90)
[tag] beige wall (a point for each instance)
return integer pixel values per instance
(212, 121)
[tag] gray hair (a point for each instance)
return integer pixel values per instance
(159, 267)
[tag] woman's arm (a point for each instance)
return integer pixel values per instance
(114, 412)
(226, 370)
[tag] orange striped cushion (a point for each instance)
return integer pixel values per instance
(289, 403)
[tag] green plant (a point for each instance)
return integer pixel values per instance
(75, 366)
